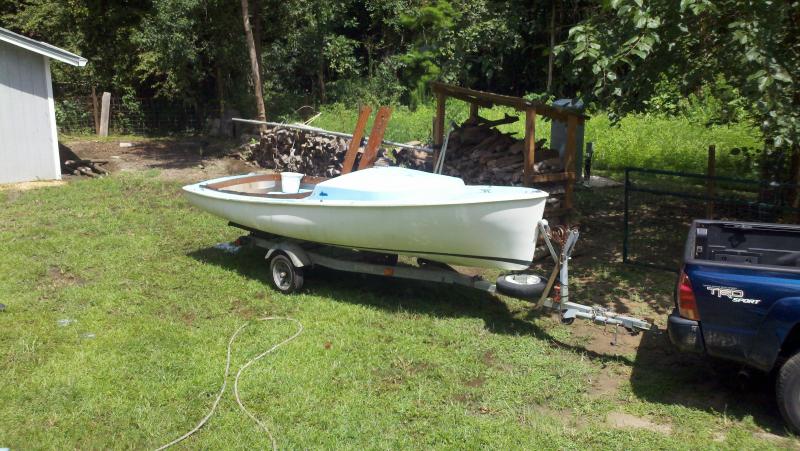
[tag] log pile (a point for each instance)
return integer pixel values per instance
(480, 154)
(310, 153)
(71, 163)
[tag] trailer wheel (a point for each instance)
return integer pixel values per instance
(286, 277)
(787, 391)
(522, 286)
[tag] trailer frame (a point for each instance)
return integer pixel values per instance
(302, 254)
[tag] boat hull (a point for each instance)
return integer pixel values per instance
(494, 234)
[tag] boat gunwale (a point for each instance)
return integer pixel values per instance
(201, 189)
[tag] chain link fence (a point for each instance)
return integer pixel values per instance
(127, 116)
(660, 206)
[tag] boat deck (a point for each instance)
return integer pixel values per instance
(265, 185)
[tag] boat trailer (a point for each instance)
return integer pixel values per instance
(288, 258)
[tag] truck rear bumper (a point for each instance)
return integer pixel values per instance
(684, 333)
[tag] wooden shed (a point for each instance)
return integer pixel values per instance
(28, 132)
(480, 99)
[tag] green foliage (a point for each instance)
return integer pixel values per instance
(747, 49)
(429, 28)
(73, 115)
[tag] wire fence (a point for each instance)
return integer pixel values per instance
(127, 116)
(660, 206)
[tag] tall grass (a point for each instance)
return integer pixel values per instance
(671, 143)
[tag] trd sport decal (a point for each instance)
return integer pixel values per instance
(734, 294)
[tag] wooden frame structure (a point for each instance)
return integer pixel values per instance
(478, 99)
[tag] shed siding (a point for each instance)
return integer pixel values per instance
(28, 147)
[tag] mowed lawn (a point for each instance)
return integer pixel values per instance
(119, 309)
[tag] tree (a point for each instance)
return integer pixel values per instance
(255, 64)
(622, 51)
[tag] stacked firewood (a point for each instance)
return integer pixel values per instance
(480, 154)
(311, 153)
(71, 163)
(284, 149)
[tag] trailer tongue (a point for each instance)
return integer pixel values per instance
(288, 258)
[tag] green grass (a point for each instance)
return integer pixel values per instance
(381, 364)
(672, 143)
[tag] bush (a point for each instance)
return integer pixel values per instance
(74, 116)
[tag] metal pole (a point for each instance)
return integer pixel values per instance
(322, 131)
(443, 153)
(625, 218)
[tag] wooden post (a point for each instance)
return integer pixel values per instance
(95, 112)
(711, 172)
(529, 151)
(569, 159)
(355, 143)
(375, 137)
(473, 112)
(438, 123)
(104, 113)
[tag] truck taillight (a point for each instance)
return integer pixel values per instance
(687, 304)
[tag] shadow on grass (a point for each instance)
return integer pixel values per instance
(659, 374)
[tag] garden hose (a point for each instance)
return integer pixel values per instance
(236, 382)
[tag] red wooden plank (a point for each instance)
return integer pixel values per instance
(375, 137)
(355, 143)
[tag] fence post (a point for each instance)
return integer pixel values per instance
(625, 218)
(95, 112)
(104, 112)
(711, 172)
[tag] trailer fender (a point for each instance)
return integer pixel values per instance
(296, 253)
(779, 321)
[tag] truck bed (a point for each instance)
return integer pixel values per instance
(744, 244)
(745, 278)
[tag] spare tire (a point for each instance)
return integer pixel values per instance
(521, 286)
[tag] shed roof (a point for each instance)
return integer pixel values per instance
(41, 48)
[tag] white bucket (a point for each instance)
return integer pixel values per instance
(290, 182)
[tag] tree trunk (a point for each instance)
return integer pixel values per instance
(321, 80)
(256, 21)
(220, 92)
(254, 66)
(551, 56)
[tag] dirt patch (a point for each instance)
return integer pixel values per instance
(25, 186)
(475, 382)
(184, 159)
(622, 420)
(605, 383)
(243, 309)
(604, 340)
(188, 318)
(60, 278)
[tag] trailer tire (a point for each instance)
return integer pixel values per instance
(787, 392)
(285, 276)
(521, 286)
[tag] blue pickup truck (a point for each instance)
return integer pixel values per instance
(738, 299)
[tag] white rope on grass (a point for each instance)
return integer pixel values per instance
(236, 382)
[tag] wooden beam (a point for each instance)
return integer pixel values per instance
(105, 109)
(553, 177)
(473, 111)
(530, 146)
(375, 137)
(471, 95)
(569, 158)
(355, 142)
(438, 123)
(95, 112)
